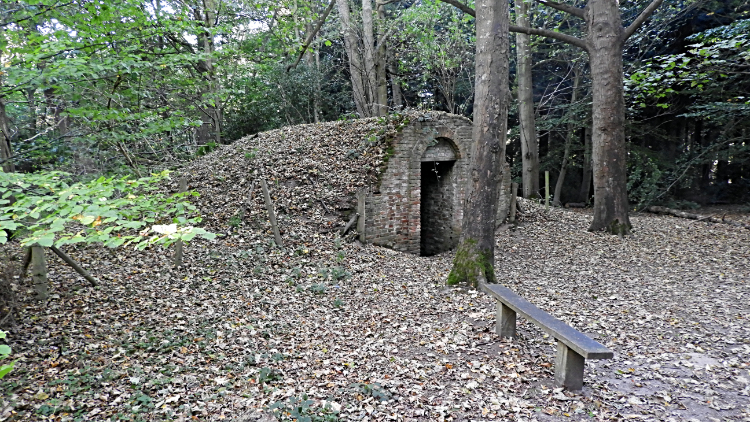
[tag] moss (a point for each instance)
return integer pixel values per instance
(616, 228)
(469, 264)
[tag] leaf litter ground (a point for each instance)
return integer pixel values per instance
(332, 329)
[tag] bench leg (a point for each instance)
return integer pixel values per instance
(506, 321)
(568, 368)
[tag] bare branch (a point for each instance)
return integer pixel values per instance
(312, 35)
(630, 30)
(462, 7)
(575, 11)
(551, 34)
(530, 31)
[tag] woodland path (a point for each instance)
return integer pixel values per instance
(243, 326)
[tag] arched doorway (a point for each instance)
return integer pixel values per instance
(437, 201)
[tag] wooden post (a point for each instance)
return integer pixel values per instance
(505, 321)
(513, 199)
(568, 368)
(546, 190)
(178, 245)
(271, 215)
(68, 260)
(39, 272)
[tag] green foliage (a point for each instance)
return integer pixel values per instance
(268, 375)
(53, 209)
(87, 79)
(645, 176)
(436, 47)
(5, 352)
(303, 409)
(268, 97)
(373, 390)
(318, 289)
(206, 149)
(710, 71)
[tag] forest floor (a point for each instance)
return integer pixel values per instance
(340, 330)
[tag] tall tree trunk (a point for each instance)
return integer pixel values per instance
(398, 100)
(380, 65)
(351, 46)
(6, 152)
(316, 99)
(568, 139)
(312, 59)
(529, 141)
(213, 105)
(368, 40)
(39, 273)
(585, 190)
(605, 40)
(475, 256)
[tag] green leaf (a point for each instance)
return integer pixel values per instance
(5, 369)
(47, 240)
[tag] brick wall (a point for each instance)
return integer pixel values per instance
(391, 214)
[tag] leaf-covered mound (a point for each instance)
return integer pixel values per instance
(313, 173)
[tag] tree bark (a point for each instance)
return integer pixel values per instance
(380, 66)
(585, 190)
(351, 46)
(39, 273)
(529, 141)
(605, 39)
(368, 39)
(5, 137)
(475, 255)
(398, 101)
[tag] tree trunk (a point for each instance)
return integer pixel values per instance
(6, 152)
(605, 41)
(39, 273)
(380, 66)
(368, 40)
(398, 101)
(355, 63)
(529, 141)
(212, 107)
(475, 256)
(585, 190)
(568, 139)
(316, 99)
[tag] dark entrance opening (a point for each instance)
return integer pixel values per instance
(436, 210)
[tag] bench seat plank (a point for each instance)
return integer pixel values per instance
(576, 340)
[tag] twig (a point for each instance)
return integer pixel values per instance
(271, 215)
(80, 270)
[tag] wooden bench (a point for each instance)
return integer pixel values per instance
(573, 347)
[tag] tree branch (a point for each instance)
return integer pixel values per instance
(462, 7)
(533, 31)
(575, 11)
(312, 35)
(630, 30)
(551, 34)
